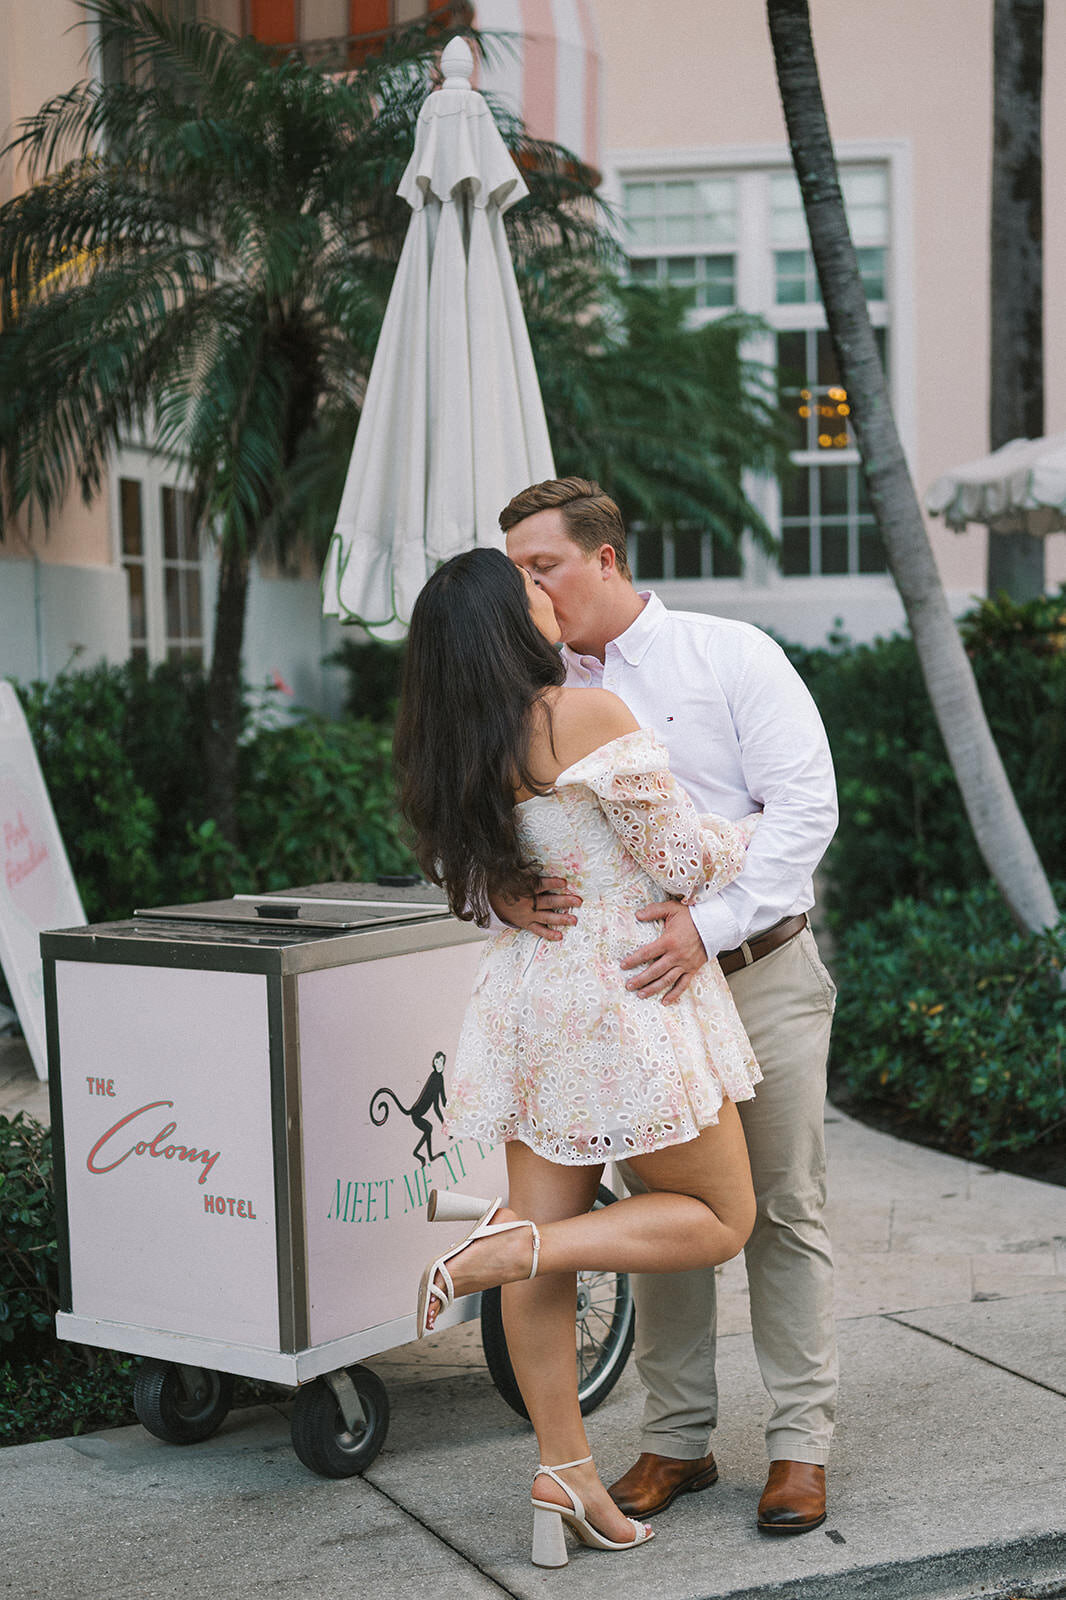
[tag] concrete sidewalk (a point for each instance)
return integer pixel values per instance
(947, 1478)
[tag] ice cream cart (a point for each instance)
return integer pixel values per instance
(247, 1101)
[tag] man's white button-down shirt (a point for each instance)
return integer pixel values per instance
(743, 735)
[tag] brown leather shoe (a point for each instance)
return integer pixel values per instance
(794, 1498)
(654, 1482)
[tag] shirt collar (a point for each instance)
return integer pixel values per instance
(632, 644)
(637, 638)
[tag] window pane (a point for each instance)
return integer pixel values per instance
(172, 584)
(179, 533)
(717, 198)
(787, 222)
(792, 359)
(191, 654)
(796, 552)
(639, 199)
(642, 230)
(191, 601)
(864, 186)
(872, 268)
(135, 577)
(834, 550)
(678, 230)
(833, 484)
(791, 277)
(688, 544)
(132, 528)
(679, 199)
(643, 270)
(862, 498)
(721, 286)
(796, 492)
(650, 553)
(171, 531)
(681, 269)
(727, 562)
(871, 551)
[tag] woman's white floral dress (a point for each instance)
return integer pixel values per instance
(554, 1050)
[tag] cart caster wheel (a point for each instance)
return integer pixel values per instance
(605, 1328)
(181, 1404)
(321, 1437)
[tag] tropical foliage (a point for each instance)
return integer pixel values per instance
(955, 1021)
(203, 259)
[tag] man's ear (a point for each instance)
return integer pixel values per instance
(608, 560)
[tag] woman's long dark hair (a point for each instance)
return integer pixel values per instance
(476, 665)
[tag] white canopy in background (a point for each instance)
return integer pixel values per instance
(453, 423)
(1019, 488)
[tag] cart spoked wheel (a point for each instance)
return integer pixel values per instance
(605, 1327)
(339, 1422)
(181, 1404)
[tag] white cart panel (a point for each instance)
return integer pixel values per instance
(167, 1128)
(380, 1026)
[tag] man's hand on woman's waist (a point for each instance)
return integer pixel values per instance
(546, 913)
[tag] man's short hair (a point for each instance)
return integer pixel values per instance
(592, 519)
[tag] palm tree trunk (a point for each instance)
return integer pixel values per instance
(1002, 836)
(1016, 397)
(224, 688)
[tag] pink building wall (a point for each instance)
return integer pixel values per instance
(703, 76)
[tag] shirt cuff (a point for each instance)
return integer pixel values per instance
(716, 925)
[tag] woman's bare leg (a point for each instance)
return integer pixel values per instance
(699, 1212)
(539, 1317)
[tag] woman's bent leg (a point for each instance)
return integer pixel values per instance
(698, 1212)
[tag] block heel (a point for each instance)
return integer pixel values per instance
(549, 1540)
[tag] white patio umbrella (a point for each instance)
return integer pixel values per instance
(452, 423)
(1019, 488)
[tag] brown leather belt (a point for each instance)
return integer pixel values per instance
(753, 950)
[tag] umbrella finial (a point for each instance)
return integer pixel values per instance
(457, 64)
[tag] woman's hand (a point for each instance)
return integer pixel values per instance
(672, 959)
(545, 913)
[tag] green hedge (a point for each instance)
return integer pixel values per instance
(949, 1014)
(120, 748)
(903, 831)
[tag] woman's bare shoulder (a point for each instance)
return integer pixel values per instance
(585, 719)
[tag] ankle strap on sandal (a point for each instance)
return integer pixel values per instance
(562, 1466)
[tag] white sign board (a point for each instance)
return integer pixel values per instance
(169, 1160)
(37, 888)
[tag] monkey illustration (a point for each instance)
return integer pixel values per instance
(431, 1100)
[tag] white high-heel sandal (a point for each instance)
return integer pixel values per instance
(446, 1295)
(549, 1541)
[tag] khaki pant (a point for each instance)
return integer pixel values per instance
(786, 1004)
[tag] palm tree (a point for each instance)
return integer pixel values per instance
(203, 260)
(1016, 395)
(999, 828)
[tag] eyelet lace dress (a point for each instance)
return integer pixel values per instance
(554, 1050)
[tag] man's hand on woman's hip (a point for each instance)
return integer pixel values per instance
(546, 913)
(670, 961)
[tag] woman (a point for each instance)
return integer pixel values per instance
(506, 775)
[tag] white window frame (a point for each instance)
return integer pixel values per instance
(752, 165)
(155, 473)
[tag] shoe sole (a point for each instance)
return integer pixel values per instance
(779, 1528)
(692, 1486)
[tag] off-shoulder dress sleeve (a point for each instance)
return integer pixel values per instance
(655, 819)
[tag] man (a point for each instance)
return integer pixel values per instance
(743, 734)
